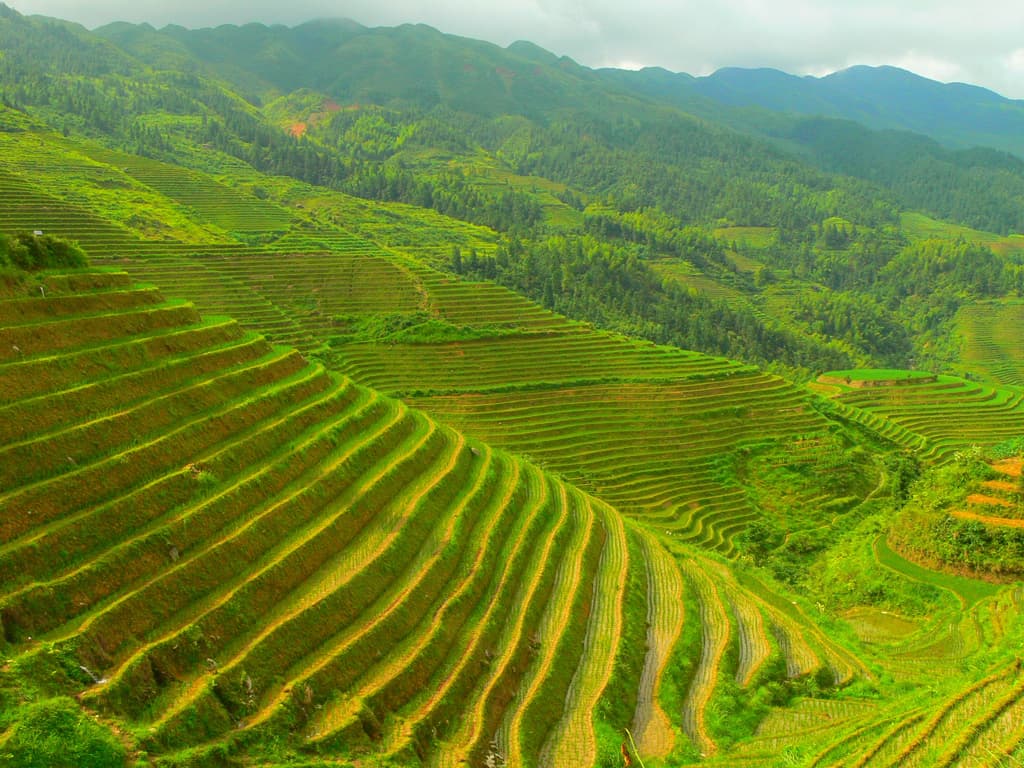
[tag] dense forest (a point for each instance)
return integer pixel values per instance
(612, 287)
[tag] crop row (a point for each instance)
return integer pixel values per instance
(949, 414)
(652, 727)
(476, 303)
(520, 359)
(991, 344)
(295, 299)
(244, 546)
(978, 724)
(651, 450)
(220, 205)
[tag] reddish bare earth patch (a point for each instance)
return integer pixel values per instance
(1005, 522)
(1012, 467)
(980, 499)
(1001, 485)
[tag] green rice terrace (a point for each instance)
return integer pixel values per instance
(938, 415)
(554, 379)
(538, 424)
(215, 541)
(480, 608)
(276, 493)
(992, 345)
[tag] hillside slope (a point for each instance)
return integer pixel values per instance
(474, 473)
(215, 544)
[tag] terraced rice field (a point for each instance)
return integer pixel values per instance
(998, 502)
(742, 632)
(153, 209)
(527, 358)
(209, 200)
(61, 169)
(24, 208)
(941, 416)
(652, 450)
(201, 501)
(462, 302)
(537, 386)
(801, 726)
(977, 725)
(992, 345)
(229, 546)
(292, 298)
(82, 171)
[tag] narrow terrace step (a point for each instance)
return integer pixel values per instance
(652, 726)
(50, 455)
(24, 311)
(35, 505)
(43, 375)
(150, 510)
(539, 702)
(46, 338)
(41, 414)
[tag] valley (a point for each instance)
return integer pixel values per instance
(507, 421)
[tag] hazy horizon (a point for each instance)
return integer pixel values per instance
(945, 41)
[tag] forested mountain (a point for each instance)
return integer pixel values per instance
(539, 147)
(383, 397)
(955, 114)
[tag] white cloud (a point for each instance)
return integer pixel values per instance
(630, 65)
(1015, 61)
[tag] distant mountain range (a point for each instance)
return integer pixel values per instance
(955, 114)
(419, 63)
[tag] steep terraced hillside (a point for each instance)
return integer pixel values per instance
(991, 342)
(937, 415)
(651, 430)
(116, 204)
(226, 550)
(298, 299)
(161, 200)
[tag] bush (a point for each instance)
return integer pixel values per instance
(55, 733)
(32, 252)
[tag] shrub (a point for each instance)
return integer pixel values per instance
(55, 733)
(32, 252)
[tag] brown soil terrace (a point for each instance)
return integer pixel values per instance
(1012, 467)
(1005, 522)
(980, 499)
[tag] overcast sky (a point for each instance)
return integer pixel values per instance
(948, 40)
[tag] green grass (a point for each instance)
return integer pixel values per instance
(877, 374)
(749, 237)
(918, 225)
(56, 733)
(969, 592)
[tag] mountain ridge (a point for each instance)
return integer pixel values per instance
(958, 115)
